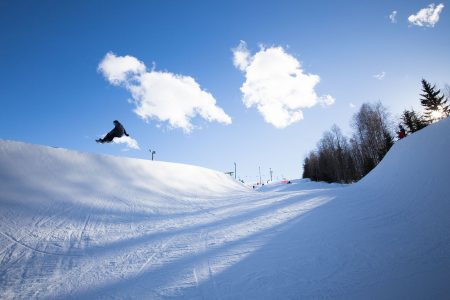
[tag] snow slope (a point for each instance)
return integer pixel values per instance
(84, 226)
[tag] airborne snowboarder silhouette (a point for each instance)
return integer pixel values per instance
(118, 131)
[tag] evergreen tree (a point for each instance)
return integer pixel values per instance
(436, 107)
(413, 121)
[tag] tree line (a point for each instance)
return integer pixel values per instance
(338, 158)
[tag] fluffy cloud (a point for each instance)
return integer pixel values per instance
(428, 16)
(128, 141)
(326, 100)
(164, 96)
(118, 69)
(393, 17)
(276, 85)
(380, 76)
(241, 57)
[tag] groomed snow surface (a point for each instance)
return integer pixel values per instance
(84, 226)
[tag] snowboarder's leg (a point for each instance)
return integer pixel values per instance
(107, 139)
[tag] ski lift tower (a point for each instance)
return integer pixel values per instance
(260, 180)
(152, 152)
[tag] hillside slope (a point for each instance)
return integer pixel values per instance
(85, 226)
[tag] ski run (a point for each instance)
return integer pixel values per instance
(86, 226)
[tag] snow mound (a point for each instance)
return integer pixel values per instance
(48, 173)
(84, 226)
(417, 160)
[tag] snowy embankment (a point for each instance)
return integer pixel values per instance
(85, 226)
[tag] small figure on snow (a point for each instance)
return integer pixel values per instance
(401, 133)
(118, 131)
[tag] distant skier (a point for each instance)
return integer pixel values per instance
(117, 132)
(401, 133)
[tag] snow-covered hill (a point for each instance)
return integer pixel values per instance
(85, 226)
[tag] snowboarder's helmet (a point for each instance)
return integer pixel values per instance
(116, 122)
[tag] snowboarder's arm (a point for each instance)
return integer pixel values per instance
(125, 132)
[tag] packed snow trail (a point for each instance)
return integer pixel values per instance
(85, 226)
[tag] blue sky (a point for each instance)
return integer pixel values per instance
(185, 54)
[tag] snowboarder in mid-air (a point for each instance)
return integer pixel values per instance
(118, 131)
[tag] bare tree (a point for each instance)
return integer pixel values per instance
(311, 166)
(373, 133)
(338, 159)
(332, 162)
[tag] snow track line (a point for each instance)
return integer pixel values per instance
(210, 273)
(162, 246)
(205, 265)
(44, 221)
(194, 272)
(4, 250)
(7, 254)
(83, 231)
(16, 241)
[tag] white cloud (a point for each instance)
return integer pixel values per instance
(276, 84)
(428, 16)
(326, 100)
(165, 96)
(393, 16)
(352, 105)
(128, 141)
(241, 57)
(117, 69)
(380, 76)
